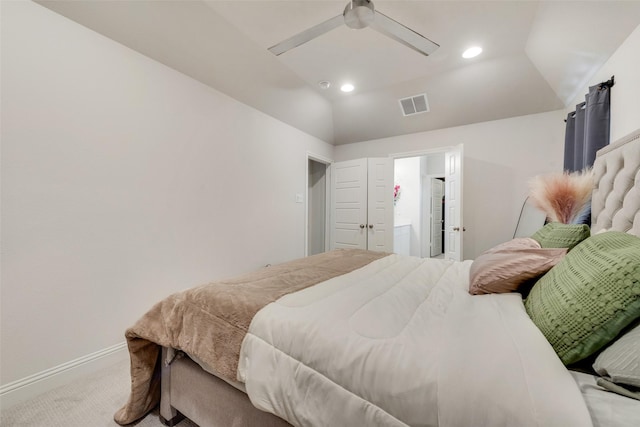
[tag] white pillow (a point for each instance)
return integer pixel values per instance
(620, 362)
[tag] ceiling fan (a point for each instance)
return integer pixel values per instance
(360, 14)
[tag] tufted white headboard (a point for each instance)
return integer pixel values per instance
(615, 203)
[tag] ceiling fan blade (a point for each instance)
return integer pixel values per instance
(404, 35)
(307, 35)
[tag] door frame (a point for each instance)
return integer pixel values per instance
(426, 152)
(327, 216)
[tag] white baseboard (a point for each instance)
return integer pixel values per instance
(29, 387)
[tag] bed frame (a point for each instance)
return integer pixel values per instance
(188, 390)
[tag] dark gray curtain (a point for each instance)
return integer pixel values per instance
(588, 128)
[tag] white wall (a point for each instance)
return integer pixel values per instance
(122, 181)
(406, 173)
(625, 94)
(434, 164)
(499, 159)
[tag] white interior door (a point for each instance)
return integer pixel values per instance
(453, 204)
(380, 204)
(437, 191)
(349, 204)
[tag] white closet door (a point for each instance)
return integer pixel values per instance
(362, 204)
(349, 204)
(380, 204)
(453, 204)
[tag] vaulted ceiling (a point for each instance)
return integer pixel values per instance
(537, 56)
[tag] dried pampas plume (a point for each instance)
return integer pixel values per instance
(562, 196)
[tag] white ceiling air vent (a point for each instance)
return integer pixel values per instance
(415, 104)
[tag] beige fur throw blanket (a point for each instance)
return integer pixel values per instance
(209, 322)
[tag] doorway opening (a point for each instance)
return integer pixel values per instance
(434, 199)
(317, 205)
(420, 205)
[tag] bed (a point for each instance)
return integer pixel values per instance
(362, 338)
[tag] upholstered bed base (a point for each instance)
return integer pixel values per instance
(187, 390)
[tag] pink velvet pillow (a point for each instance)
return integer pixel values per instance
(507, 266)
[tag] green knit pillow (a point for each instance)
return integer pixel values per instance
(558, 235)
(583, 302)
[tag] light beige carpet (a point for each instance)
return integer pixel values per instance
(87, 402)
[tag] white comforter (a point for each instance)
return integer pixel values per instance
(401, 342)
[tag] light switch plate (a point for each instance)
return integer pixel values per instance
(299, 198)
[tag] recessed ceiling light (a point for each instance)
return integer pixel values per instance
(472, 52)
(347, 87)
(324, 84)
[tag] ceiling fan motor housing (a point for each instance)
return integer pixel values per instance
(358, 14)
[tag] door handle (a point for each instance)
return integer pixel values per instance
(370, 225)
(361, 225)
(456, 228)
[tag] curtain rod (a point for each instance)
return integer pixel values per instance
(609, 82)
